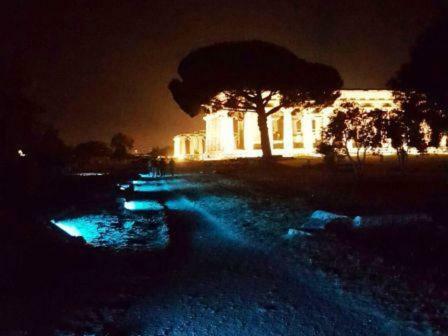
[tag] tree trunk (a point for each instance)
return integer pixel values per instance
(264, 134)
(354, 163)
(401, 156)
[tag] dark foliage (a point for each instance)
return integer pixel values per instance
(52, 149)
(329, 153)
(121, 143)
(19, 126)
(31, 153)
(354, 126)
(422, 84)
(161, 151)
(92, 149)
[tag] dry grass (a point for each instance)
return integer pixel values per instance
(405, 266)
(383, 189)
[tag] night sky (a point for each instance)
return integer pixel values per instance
(103, 67)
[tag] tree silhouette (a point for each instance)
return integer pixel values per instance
(365, 130)
(121, 143)
(401, 135)
(421, 84)
(92, 149)
(246, 76)
(161, 151)
(19, 126)
(51, 148)
(31, 152)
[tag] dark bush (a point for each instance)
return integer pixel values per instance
(328, 152)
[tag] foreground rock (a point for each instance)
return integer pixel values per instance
(324, 220)
(320, 220)
(294, 233)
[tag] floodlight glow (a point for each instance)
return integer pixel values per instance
(162, 185)
(84, 226)
(124, 186)
(149, 188)
(21, 153)
(181, 204)
(72, 231)
(142, 205)
(120, 230)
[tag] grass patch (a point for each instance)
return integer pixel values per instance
(402, 266)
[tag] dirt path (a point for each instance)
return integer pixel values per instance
(228, 284)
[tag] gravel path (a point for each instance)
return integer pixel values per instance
(229, 284)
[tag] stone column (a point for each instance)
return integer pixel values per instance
(192, 145)
(199, 144)
(227, 138)
(270, 131)
(444, 142)
(176, 147)
(186, 146)
(318, 130)
(250, 129)
(307, 132)
(182, 146)
(208, 132)
(288, 143)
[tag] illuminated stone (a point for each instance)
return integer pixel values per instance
(118, 230)
(190, 146)
(138, 182)
(292, 132)
(143, 205)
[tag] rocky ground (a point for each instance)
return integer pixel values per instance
(237, 281)
(228, 270)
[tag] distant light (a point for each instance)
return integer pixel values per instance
(138, 182)
(89, 174)
(162, 185)
(21, 153)
(124, 186)
(143, 205)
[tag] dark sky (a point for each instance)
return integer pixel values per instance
(103, 67)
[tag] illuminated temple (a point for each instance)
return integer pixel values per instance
(292, 132)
